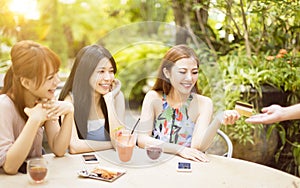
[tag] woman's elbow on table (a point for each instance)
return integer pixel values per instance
(59, 154)
(59, 151)
(142, 139)
(10, 170)
(77, 146)
(72, 148)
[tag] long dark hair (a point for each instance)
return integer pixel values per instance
(173, 54)
(29, 60)
(84, 65)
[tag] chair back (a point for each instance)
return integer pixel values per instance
(220, 142)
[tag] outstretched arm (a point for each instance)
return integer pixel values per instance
(223, 118)
(276, 113)
(205, 129)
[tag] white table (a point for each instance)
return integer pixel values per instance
(141, 172)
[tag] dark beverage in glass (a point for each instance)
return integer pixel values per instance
(37, 170)
(38, 173)
(154, 152)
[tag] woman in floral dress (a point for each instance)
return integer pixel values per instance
(175, 114)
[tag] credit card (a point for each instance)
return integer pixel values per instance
(244, 109)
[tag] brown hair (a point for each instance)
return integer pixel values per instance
(29, 60)
(171, 57)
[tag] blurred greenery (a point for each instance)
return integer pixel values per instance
(138, 65)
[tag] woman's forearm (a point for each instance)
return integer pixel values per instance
(83, 146)
(167, 147)
(62, 138)
(203, 141)
(114, 120)
(18, 152)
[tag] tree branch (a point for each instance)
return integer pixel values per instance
(246, 34)
(203, 30)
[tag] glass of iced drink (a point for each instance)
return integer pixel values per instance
(125, 143)
(37, 170)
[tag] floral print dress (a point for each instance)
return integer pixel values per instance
(173, 124)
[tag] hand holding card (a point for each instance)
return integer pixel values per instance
(244, 109)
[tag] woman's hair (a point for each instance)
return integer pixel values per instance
(85, 63)
(29, 60)
(171, 57)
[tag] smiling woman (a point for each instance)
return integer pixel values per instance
(28, 107)
(27, 8)
(98, 101)
(174, 112)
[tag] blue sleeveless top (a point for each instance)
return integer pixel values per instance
(96, 130)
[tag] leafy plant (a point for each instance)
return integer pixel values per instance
(287, 156)
(137, 66)
(246, 78)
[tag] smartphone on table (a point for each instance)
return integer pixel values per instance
(184, 167)
(90, 158)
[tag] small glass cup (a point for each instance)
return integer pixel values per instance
(154, 150)
(125, 143)
(37, 170)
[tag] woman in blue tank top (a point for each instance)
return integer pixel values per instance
(95, 92)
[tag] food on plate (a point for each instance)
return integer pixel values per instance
(103, 173)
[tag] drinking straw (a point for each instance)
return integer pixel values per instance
(133, 130)
(135, 126)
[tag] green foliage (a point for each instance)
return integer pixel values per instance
(64, 27)
(4, 54)
(270, 24)
(4, 66)
(151, 10)
(138, 66)
(243, 75)
(243, 132)
(288, 155)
